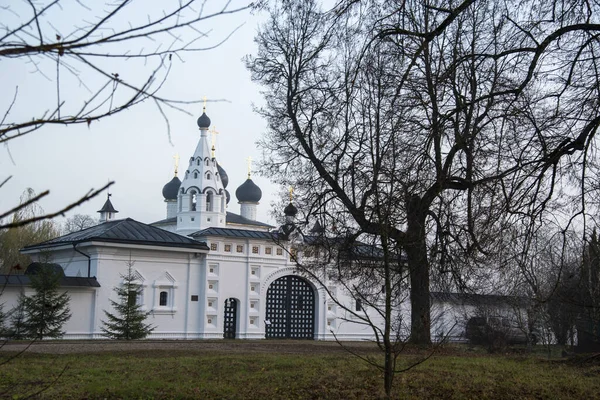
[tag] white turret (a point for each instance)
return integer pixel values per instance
(201, 200)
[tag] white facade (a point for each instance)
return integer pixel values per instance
(186, 289)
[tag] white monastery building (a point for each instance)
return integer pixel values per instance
(205, 271)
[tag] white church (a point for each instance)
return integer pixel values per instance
(205, 272)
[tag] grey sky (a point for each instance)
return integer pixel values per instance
(133, 147)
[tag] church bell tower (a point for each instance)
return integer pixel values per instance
(202, 200)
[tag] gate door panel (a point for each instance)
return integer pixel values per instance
(290, 309)
(230, 318)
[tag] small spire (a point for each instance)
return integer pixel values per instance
(204, 105)
(176, 158)
(249, 160)
(291, 190)
(214, 134)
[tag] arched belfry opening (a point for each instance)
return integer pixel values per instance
(291, 307)
(209, 201)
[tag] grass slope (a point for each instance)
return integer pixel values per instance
(223, 375)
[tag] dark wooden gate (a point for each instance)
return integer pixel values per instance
(230, 318)
(290, 310)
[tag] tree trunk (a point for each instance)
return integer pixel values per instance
(416, 252)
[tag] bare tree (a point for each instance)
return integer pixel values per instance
(79, 222)
(13, 239)
(464, 118)
(83, 46)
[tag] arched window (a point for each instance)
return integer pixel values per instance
(207, 162)
(193, 200)
(164, 297)
(195, 175)
(208, 175)
(209, 201)
(198, 162)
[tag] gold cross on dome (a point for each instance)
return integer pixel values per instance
(249, 160)
(176, 158)
(204, 106)
(291, 190)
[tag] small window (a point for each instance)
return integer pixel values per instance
(254, 249)
(279, 252)
(228, 248)
(132, 298)
(194, 297)
(195, 175)
(239, 248)
(206, 162)
(193, 219)
(268, 250)
(208, 175)
(198, 162)
(164, 297)
(358, 305)
(213, 246)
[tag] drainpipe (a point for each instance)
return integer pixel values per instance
(86, 255)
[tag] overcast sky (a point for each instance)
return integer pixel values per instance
(133, 148)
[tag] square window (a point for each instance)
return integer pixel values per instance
(210, 286)
(252, 288)
(212, 270)
(268, 250)
(279, 252)
(254, 249)
(253, 272)
(194, 297)
(193, 219)
(207, 219)
(210, 321)
(228, 248)
(251, 321)
(239, 248)
(213, 246)
(251, 305)
(210, 303)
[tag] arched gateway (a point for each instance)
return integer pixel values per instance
(290, 312)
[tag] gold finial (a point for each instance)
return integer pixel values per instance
(214, 134)
(291, 190)
(249, 159)
(204, 106)
(176, 157)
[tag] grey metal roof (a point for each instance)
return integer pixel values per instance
(231, 218)
(65, 281)
(478, 299)
(166, 221)
(240, 233)
(238, 219)
(124, 231)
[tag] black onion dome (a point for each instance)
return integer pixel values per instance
(248, 192)
(223, 174)
(290, 210)
(171, 189)
(204, 121)
(228, 196)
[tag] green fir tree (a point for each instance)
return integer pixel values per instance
(128, 321)
(16, 330)
(46, 311)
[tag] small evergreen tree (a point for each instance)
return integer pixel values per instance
(17, 320)
(128, 321)
(47, 310)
